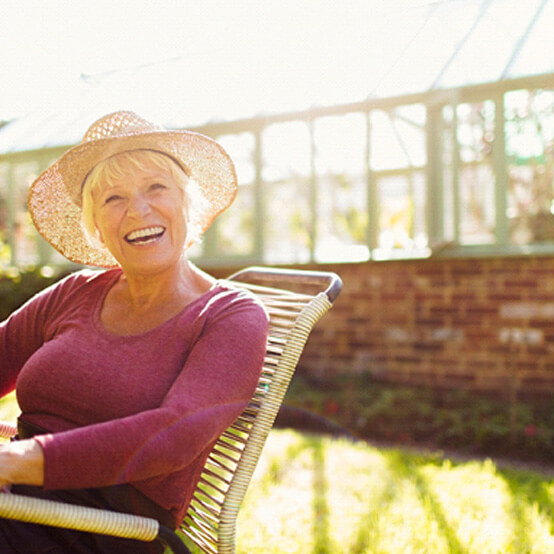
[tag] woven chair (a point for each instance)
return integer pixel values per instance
(295, 300)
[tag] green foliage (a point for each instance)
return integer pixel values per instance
(17, 286)
(451, 419)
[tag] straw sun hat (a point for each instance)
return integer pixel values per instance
(55, 197)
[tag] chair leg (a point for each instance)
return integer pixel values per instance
(171, 540)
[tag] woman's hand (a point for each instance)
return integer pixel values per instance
(21, 462)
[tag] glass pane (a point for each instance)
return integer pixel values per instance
(410, 124)
(341, 219)
(534, 56)
(477, 218)
(475, 135)
(475, 131)
(401, 214)
(287, 224)
(448, 163)
(235, 228)
(25, 234)
(483, 54)
(529, 124)
(413, 63)
(398, 138)
(340, 161)
(286, 151)
(286, 191)
(241, 149)
(419, 200)
(340, 144)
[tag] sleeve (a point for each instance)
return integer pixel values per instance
(27, 329)
(214, 386)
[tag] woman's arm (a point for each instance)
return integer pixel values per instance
(216, 382)
(21, 462)
(21, 335)
(25, 331)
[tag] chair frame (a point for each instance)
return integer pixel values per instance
(295, 301)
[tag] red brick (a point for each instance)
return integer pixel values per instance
(450, 313)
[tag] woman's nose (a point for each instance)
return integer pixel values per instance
(138, 205)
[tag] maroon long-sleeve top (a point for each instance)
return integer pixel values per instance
(143, 409)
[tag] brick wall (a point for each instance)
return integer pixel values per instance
(482, 324)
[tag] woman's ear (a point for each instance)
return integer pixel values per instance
(99, 236)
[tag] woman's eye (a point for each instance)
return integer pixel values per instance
(112, 198)
(157, 186)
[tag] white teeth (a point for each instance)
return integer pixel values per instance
(144, 235)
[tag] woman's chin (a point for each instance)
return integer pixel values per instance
(150, 262)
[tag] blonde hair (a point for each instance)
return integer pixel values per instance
(121, 165)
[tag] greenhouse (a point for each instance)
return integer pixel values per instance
(445, 148)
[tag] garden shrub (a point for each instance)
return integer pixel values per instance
(470, 422)
(17, 286)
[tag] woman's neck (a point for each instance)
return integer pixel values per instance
(139, 303)
(178, 286)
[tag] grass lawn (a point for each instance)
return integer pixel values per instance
(313, 494)
(317, 495)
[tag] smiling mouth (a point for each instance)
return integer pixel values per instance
(144, 236)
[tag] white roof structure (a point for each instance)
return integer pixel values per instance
(431, 46)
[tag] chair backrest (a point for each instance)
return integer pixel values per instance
(295, 300)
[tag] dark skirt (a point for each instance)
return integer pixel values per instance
(28, 538)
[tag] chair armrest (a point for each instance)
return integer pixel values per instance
(85, 519)
(284, 278)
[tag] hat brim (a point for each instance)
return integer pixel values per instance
(54, 200)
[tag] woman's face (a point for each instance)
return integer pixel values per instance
(141, 220)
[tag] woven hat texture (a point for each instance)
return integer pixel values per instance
(55, 197)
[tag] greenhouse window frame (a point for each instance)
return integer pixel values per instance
(444, 238)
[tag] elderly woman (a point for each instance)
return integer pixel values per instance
(126, 377)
